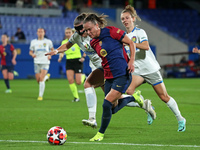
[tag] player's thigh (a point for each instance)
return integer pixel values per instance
(78, 78)
(10, 75)
(95, 79)
(161, 91)
(136, 81)
(113, 95)
(70, 76)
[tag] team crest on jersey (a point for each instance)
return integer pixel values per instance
(103, 52)
(100, 43)
(44, 44)
(4, 53)
(118, 30)
(134, 39)
(86, 46)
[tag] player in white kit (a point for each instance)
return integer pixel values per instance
(38, 48)
(146, 65)
(96, 77)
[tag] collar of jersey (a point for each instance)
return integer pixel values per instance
(133, 29)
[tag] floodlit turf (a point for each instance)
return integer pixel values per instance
(24, 121)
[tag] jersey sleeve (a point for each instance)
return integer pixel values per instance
(142, 36)
(12, 47)
(73, 38)
(50, 44)
(31, 46)
(117, 33)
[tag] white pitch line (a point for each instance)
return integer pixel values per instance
(97, 143)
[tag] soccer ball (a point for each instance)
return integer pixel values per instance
(57, 136)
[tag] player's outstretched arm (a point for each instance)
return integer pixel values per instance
(60, 49)
(132, 46)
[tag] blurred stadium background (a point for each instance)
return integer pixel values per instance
(172, 27)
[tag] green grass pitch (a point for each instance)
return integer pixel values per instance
(24, 121)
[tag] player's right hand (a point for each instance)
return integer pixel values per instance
(52, 53)
(33, 55)
(195, 50)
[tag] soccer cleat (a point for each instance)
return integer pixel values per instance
(76, 100)
(48, 75)
(182, 125)
(15, 73)
(90, 122)
(40, 98)
(149, 119)
(150, 109)
(8, 91)
(98, 137)
(137, 97)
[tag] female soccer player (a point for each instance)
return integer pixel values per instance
(38, 48)
(8, 56)
(146, 66)
(96, 77)
(74, 64)
(108, 43)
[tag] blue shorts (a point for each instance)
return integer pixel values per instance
(119, 84)
(9, 68)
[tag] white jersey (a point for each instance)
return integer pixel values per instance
(84, 44)
(145, 61)
(40, 48)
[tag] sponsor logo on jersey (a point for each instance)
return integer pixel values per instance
(133, 39)
(103, 52)
(118, 30)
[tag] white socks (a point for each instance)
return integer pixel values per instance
(174, 108)
(46, 77)
(41, 88)
(91, 99)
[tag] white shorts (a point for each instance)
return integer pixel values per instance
(153, 78)
(39, 67)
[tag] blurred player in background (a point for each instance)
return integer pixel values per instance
(74, 64)
(8, 56)
(146, 66)
(38, 48)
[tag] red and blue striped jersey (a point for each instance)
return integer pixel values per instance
(110, 48)
(6, 54)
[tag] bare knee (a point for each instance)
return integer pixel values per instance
(130, 91)
(87, 84)
(164, 97)
(78, 82)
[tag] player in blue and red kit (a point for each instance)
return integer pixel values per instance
(8, 60)
(108, 43)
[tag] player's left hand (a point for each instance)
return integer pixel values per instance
(14, 62)
(82, 59)
(49, 57)
(131, 67)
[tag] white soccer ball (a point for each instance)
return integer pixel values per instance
(57, 135)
